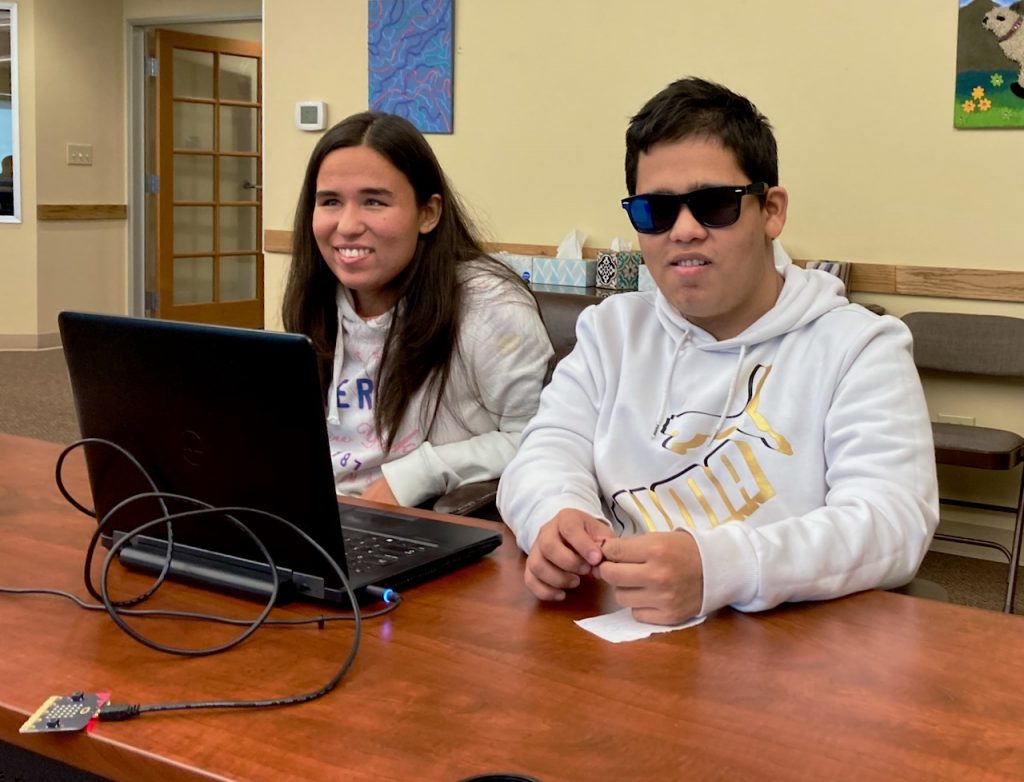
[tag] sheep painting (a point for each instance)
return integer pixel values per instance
(989, 90)
(1007, 24)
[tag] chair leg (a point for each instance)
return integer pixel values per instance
(1018, 529)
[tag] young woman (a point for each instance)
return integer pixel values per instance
(435, 352)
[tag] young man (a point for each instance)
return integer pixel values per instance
(741, 436)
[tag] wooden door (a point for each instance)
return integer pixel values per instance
(209, 222)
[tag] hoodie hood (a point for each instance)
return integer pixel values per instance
(349, 322)
(806, 295)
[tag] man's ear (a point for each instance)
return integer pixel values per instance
(776, 202)
(430, 214)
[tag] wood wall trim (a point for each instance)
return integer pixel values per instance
(281, 242)
(938, 281)
(548, 250)
(62, 212)
(277, 242)
(873, 278)
(978, 284)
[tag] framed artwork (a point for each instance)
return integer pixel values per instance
(410, 43)
(990, 65)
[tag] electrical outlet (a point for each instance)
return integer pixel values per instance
(79, 155)
(962, 420)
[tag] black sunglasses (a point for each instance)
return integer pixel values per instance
(712, 207)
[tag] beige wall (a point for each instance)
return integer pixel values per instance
(79, 68)
(161, 10)
(70, 90)
(18, 256)
(73, 89)
(862, 111)
(543, 91)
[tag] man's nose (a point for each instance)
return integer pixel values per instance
(686, 228)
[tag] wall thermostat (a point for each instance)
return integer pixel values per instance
(310, 115)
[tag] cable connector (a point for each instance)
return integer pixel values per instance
(386, 594)
(116, 712)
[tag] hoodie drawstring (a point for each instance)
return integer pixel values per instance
(668, 382)
(339, 360)
(728, 399)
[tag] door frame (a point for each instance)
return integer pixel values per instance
(138, 246)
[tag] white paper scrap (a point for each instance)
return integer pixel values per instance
(620, 626)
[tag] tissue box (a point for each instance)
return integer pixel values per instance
(572, 272)
(618, 269)
(520, 264)
(645, 282)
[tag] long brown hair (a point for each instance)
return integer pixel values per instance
(422, 341)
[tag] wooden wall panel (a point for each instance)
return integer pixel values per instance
(980, 284)
(60, 212)
(941, 282)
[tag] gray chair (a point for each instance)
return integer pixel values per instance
(559, 312)
(986, 345)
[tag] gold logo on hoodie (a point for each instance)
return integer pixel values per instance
(692, 429)
(728, 484)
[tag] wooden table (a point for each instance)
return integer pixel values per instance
(472, 675)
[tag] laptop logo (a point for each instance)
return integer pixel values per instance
(192, 448)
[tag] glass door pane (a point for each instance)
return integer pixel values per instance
(193, 177)
(239, 178)
(239, 78)
(239, 129)
(193, 280)
(237, 228)
(193, 74)
(238, 277)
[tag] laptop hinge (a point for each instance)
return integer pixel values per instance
(226, 575)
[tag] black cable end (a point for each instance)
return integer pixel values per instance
(117, 712)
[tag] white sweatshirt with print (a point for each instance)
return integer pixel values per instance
(798, 454)
(492, 392)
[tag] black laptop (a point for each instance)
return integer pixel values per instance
(235, 417)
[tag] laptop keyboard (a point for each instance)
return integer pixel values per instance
(366, 551)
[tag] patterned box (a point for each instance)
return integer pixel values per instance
(573, 272)
(618, 269)
(645, 282)
(520, 264)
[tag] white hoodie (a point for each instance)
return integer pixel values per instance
(492, 392)
(798, 454)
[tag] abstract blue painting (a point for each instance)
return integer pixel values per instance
(410, 43)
